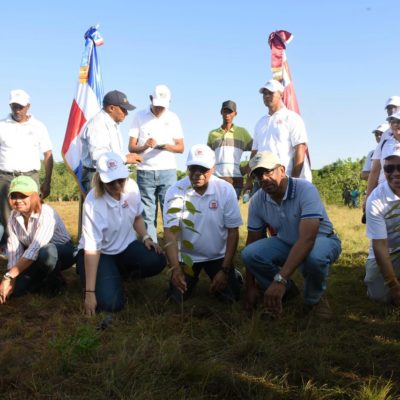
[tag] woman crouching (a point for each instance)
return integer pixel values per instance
(38, 246)
(109, 249)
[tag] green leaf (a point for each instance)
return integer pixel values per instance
(191, 208)
(192, 229)
(172, 219)
(173, 210)
(188, 222)
(187, 244)
(175, 228)
(187, 260)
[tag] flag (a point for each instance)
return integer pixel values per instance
(86, 104)
(280, 68)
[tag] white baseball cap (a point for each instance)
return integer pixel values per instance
(273, 86)
(161, 96)
(396, 115)
(110, 167)
(201, 154)
(382, 127)
(393, 101)
(390, 150)
(20, 97)
(264, 159)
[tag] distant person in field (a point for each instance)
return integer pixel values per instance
(39, 247)
(376, 174)
(102, 134)
(355, 194)
(382, 275)
(305, 240)
(156, 133)
(23, 139)
(368, 160)
(282, 132)
(229, 141)
(115, 244)
(346, 197)
(212, 230)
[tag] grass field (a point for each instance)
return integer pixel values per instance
(204, 350)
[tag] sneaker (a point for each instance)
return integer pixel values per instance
(322, 309)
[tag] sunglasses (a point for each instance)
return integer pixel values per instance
(193, 168)
(260, 173)
(390, 168)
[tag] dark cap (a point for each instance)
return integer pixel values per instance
(229, 104)
(117, 98)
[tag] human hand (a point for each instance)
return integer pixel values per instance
(151, 143)
(219, 282)
(178, 279)
(133, 158)
(6, 288)
(273, 297)
(151, 245)
(395, 295)
(90, 304)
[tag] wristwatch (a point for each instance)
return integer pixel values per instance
(280, 279)
(8, 276)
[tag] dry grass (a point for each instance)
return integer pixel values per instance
(207, 350)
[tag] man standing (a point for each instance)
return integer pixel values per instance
(208, 233)
(22, 139)
(229, 142)
(156, 133)
(282, 132)
(102, 135)
(383, 218)
(305, 238)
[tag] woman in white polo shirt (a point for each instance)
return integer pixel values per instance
(109, 249)
(38, 246)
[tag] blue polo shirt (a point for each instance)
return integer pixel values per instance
(301, 201)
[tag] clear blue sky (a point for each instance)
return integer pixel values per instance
(344, 59)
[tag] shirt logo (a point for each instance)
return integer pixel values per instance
(112, 164)
(213, 205)
(125, 204)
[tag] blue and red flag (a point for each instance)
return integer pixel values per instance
(87, 103)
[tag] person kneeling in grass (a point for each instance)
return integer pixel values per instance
(383, 219)
(109, 249)
(38, 246)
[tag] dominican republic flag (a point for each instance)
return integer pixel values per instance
(86, 104)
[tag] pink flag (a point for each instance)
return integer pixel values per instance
(86, 104)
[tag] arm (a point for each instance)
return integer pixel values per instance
(134, 147)
(364, 175)
(133, 158)
(298, 159)
(92, 259)
(249, 179)
(372, 179)
(48, 168)
(381, 251)
(178, 147)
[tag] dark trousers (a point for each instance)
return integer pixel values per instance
(135, 261)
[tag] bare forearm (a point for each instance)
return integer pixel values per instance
(298, 160)
(297, 255)
(91, 265)
(20, 266)
(171, 247)
(231, 246)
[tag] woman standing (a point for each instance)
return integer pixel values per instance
(38, 246)
(109, 248)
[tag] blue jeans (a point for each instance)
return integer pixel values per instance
(229, 294)
(45, 272)
(135, 261)
(265, 257)
(153, 186)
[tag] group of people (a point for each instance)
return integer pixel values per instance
(201, 214)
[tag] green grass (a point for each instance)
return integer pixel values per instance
(206, 350)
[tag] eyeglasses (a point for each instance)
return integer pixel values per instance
(390, 168)
(193, 168)
(260, 173)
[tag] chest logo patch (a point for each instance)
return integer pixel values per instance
(213, 204)
(125, 204)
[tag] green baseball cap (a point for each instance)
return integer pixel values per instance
(23, 184)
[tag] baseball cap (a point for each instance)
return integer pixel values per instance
(110, 167)
(393, 101)
(161, 96)
(20, 97)
(23, 184)
(264, 159)
(381, 128)
(117, 98)
(396, 115)
(273, 86)
(391, 149)
(229, 104)
(201, 154)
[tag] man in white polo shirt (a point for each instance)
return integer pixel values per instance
(282, 132)
(383, 218)
(23, 139)
(156, 134)
(206, 229)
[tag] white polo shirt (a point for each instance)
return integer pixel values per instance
(383, 217)
(219, 210)
(280, 133)
(22, 144)
(107, 224)
(389, 140)
(164, 130)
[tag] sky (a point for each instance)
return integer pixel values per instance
(344, 59)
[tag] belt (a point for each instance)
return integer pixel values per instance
(90, 169)
(18, 173)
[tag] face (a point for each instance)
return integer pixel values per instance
(199, 176)
(391, 110)
(271, 99)
(392, 173)
(228, 115)
(115, 188)
(378, 136)
(395, 127)
(18, 112)
(157, 110)
(117, 113)
(20, 202)
(270, 179)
